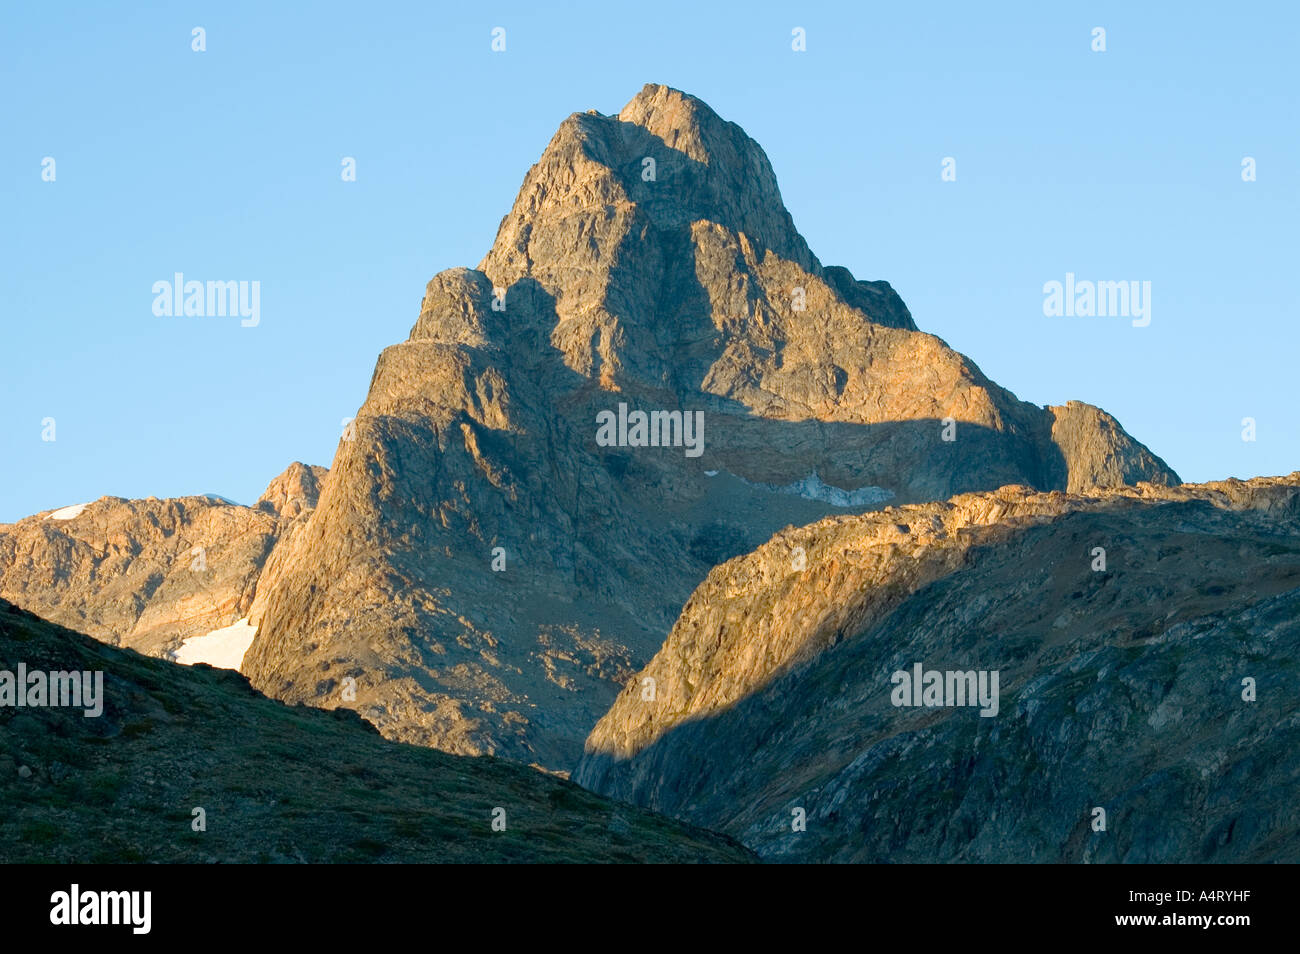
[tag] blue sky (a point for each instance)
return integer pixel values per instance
(225, 164)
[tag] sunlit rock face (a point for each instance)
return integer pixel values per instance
(486, 569)
(149, 574)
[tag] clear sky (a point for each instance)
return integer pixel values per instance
(225, 165)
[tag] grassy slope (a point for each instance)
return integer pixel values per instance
(278, 783)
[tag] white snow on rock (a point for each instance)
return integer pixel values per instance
(223, 648)
(67, 513)
(813, 487)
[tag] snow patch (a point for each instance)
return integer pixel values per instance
(223, 648)
(813, 487)
(67, 513)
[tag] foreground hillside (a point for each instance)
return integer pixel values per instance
(276, 783)
(1162, 687)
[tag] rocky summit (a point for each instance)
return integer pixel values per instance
(1125, 661)
(648, 374)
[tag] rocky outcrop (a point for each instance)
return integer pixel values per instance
(147, 574)
(1147, 641)
(292, 495)
(482, 574)
(1097, 452)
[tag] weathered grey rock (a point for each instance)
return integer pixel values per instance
(1120, 689)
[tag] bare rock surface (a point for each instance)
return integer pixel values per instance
(1122, 684)
(483, 576)
(148, 574)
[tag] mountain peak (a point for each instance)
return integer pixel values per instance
(648, 265)
(684, 122)
(625, 191)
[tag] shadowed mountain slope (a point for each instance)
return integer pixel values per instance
(276, 783)
(1147, 645)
